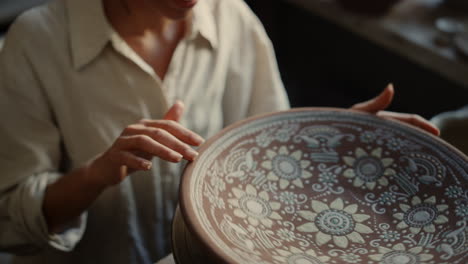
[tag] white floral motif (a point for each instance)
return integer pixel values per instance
(421, 215)
(351, 258)
(284, 133)
(288, 198)
(368, 170)
(335, 222)
(399, 254)
(327, 177)
(387, 198)
(286, 234)
(287, 167)
(257, 208)
(295, 255)
(214, 198)
(454, 191)
(395, 144)
(462, 210)
(264, 139)
(390, 236)
(367, 137)
(218, 183)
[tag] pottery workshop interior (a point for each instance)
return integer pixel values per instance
(234, 131)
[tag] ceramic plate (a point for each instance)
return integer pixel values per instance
(315, 186)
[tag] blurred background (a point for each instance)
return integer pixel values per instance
(340, 52)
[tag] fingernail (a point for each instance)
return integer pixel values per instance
(178, 157)
(390, 86)
(199, 140)
(147, 165)
(180, 103)
(192, 153)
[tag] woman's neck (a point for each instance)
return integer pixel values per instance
(138, 17)
(151, 35)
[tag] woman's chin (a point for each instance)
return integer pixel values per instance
(185, 4)
(181, 9)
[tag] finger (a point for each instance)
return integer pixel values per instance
(148, 145)
(175, 112)
(123, 172)
(128, 163)
(132, 161)
(164, 137)
(411, 119)
(381, 102)
(176, 129)
(143, 155)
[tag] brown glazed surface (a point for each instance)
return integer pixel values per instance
(327, 186)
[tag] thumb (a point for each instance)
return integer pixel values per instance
(175, 112)
(381, 102)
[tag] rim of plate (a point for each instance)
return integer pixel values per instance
(187, 209)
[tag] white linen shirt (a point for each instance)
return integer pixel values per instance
(68, 87)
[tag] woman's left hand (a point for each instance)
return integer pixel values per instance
(378, 104)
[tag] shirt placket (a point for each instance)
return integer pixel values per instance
(172, 78)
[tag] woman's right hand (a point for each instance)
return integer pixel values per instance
(139, 143)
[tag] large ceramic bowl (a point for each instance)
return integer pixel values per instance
(311, 186)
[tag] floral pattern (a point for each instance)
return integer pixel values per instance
(395, 144)
(462, 210)
(287, 168)
(368, 170)
(256, 208)
(454, 191)
(335, 222)
(295, 255)
(390, 236)
(286, 234)
(351, 258)
(368, 137)
(398, 254)
(288, 198)
(328, 178)
(387, 198)
(325, 187)
(421, 215)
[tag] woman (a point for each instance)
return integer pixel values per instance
(91, 149)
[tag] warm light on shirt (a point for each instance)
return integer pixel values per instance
(67, 78)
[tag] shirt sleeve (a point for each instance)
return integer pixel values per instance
(268, 93)
(254, 84)
(29, 153)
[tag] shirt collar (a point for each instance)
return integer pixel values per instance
(89, 30)
(203, 23)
